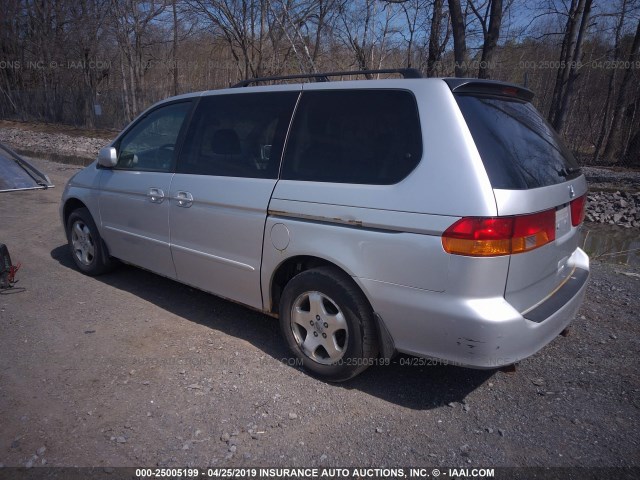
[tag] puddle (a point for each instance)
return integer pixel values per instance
(612, 244)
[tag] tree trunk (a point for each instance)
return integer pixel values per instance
(491, 39)
(605, 127)
(126, 102)
(572, 68)
(175, 48)
(411, 25)
(631, 156)
(459, 38)
(434, 39)
(618, 108)
(322, 13)
(568, 47)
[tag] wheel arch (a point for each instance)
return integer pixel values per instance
(70, 205)
(291, 267)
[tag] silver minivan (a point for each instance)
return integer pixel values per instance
(434, 217)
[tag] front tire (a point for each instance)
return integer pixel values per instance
(87, 249)
(328, 324)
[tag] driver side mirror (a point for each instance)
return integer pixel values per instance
(107, 157)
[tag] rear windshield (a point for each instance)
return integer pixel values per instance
(518, 148)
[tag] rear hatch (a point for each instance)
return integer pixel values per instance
(531, 172)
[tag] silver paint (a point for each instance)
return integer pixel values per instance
(229, 236)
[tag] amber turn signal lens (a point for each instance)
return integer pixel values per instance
(493, 236)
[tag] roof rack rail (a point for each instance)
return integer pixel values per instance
(324, 76)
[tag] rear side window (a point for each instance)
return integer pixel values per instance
(356, 136)
(518, 148)
(239, 135)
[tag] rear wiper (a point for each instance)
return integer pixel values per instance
(565, 172)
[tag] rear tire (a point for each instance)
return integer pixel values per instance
(328, 324)
(87, 248)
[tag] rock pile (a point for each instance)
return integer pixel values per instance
(618, 208)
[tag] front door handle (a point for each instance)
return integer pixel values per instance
(156, 195)
(184, 199)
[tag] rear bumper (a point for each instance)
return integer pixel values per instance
(480, 333)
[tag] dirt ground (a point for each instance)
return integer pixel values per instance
(131, 369)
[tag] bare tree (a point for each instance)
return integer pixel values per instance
(133, 22)
(122, 55)
(324, 11)
(367, 28)
(490, 22)
(618, 109)
(631, 144)
(577, 23)
(12, 52)
(290, 26)
(356, 27)
(412, 11)
(174, 11)
(44, 41)
(605, 128)
(436, 45)
(243, 25)
(459, 38)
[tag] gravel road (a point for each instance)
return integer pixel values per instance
(131, 369)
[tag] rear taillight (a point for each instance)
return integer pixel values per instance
(492, 236)
(577, 210)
